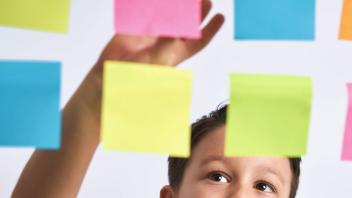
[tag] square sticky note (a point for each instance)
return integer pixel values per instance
(146, 108)
(171, 18)
(45, 15)
(29, 104)
(275, 19)
(268, 115)
(347, 140)
(346, 21)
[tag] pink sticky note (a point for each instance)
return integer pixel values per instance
(347, 142)
(170, 18)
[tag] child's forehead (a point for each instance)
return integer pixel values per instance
(210, 149)
(212, 144)
(269, 164)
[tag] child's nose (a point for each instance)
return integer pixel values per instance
(240, 191)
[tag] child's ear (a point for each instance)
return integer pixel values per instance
(167, 192)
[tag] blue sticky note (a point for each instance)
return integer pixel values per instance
(274, 19)
(29, 104)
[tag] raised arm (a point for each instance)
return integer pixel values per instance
(60, 173)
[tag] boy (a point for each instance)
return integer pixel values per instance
(207, 174)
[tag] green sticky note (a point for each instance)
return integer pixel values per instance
(268, 115)
(45, 15)
(146, 108)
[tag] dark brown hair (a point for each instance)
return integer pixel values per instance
(200, 128)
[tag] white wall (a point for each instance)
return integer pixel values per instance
(327, 60)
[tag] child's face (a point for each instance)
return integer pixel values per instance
(209, 174)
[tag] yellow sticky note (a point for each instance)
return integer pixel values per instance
(268, 115)
(346, 21)
(146, 108)
(45, 15)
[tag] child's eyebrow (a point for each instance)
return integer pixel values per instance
(212, 158)
(273, 172)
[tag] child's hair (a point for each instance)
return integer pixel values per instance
(200, 128)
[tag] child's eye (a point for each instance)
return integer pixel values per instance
(218, 177)
(265, 187)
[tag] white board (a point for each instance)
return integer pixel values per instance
(327, 60)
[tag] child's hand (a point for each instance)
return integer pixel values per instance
(163, 51)
(153, 50)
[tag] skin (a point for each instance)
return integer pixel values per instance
(211, 175)
(51, 174)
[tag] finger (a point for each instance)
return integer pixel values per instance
(206, 7)
(208, 33)
(174, 51)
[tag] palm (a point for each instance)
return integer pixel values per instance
(163, 51)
